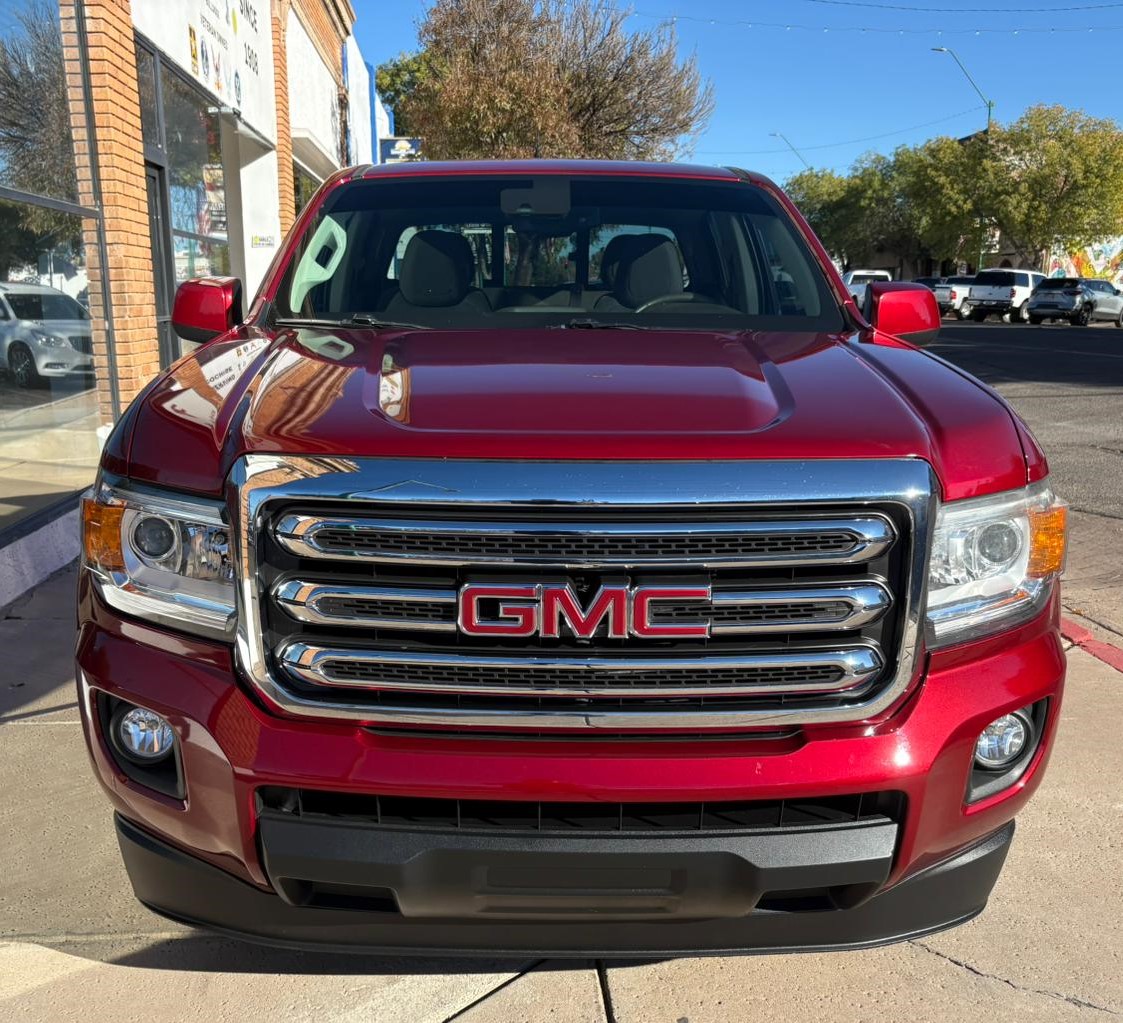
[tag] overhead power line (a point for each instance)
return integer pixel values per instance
(944, 9)
(837, 145)
(790, 26)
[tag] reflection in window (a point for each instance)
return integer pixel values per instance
(36, 143)
(146, 83)
(196, 184)
(304, 186)
(51, 354)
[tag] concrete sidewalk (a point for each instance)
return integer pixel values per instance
(74, 944)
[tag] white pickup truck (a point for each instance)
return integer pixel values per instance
(1002, 292)
(952, 295)
(857, 281)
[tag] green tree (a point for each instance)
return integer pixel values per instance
(1056, 180)
(551, 78)
(397, 80)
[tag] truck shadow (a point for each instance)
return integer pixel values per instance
(204, 953)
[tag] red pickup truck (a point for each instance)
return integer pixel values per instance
(555, 559)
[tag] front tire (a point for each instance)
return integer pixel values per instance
(21, 366)
(1119, 319)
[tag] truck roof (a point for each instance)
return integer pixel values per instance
(624, 168)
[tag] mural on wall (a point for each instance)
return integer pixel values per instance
(1103, 260)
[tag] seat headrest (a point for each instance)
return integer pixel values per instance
(436, 269)
(649, 268)
(610, 258)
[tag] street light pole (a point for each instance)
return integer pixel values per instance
(784, 138)
(990, 116)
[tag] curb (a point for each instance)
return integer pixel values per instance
(1110, 654)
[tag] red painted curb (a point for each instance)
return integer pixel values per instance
(1110, 654)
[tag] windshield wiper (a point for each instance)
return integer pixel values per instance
(587, 324)
(358, 320)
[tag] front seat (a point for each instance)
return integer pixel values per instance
(649, 268)
(436, 273)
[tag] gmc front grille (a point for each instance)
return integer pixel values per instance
(351, 571)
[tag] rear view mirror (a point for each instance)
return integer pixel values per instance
(207, 307)
(907, 311)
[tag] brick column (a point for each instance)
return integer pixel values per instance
(115, 110)
(286, 193)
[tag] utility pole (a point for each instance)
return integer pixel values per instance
(785, 140)
(990, 116)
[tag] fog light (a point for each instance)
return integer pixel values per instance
(145, 735)
(1003, 741)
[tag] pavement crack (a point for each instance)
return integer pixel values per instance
(459, 1013)
(1095, 621)
(605, 992)
(1079, 1003)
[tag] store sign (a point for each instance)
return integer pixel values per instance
(224, 45)
(399, 150)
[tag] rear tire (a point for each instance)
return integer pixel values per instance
(978, 315)
(1082, 318)
(1038, 320)
(963, 312)
(1021, 314)
(21, 367)
(1119, 319)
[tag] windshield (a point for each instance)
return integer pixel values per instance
(995, 279)
(477, 252)
(45, 306)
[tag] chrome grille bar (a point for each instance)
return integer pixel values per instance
(807, 671)
(828, 608)
(368, 606)
(590, 544)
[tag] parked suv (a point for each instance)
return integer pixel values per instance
(1078, 300)
(43, 333)
(1004, 292)
(952, 296)
(554, 559)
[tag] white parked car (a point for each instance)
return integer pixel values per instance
(857, 281)
(43, 333)
(1003, 292)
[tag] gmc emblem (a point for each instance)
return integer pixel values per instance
(542, 609)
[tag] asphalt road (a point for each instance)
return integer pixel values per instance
(1067, 384)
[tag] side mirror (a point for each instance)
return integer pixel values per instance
(207, 307)
(907, 311)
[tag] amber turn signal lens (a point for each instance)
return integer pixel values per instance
(1048, 533)
(101, 534)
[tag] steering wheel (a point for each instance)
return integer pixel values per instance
(677, 296)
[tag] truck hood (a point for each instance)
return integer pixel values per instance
(568, 395)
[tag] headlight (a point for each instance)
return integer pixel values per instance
(51, 340)
(994, 562)
(162, 557)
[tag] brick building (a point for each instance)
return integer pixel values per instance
(142, 142)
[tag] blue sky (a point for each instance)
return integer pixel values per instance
(831, 82)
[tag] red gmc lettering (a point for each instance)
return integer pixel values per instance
(611, 602)
(530, 610)
(517, 616)
(644, 596)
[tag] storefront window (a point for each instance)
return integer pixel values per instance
(146, 86)
(51, 355)
(36, 136)
(304, 186)
(196, 183)
(55, 342)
